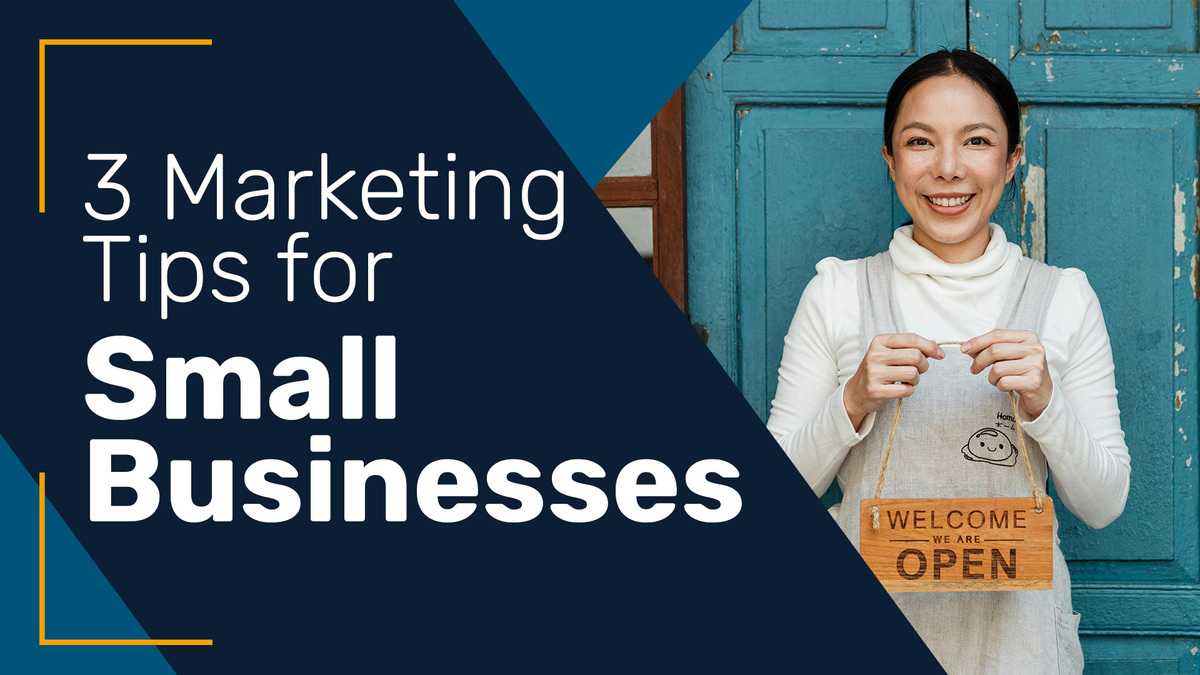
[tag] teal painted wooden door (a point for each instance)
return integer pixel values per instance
(784, 125)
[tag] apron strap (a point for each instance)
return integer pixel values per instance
(1029, 297)
(875, 304)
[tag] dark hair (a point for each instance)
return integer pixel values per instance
(956, 62)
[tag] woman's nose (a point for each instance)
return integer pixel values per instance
(949, 164)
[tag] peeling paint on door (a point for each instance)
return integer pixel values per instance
(1195, 271)
(1180, 223)
(1033, 189)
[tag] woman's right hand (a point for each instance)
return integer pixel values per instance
(890, 369)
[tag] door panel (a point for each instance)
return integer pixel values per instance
(1150, 26)
(1141, 656)
(788, 199)
(828, 26)
(1112, 179)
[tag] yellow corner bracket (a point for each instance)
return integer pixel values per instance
(42, 591)
(42, 209)
(42, 92)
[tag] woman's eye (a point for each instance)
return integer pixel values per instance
(978, 140)
(917, 141)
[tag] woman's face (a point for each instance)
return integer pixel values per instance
(951, 164)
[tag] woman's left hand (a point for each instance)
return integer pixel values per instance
(1018, 362)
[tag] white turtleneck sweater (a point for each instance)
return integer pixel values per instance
(1079, 431)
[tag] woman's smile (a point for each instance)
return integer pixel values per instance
(948, 204)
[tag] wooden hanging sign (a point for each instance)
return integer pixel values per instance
(925, 545)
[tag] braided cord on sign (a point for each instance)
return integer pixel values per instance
(1037, 493)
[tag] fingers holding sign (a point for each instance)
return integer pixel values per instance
(891, 368)
(1017, 360)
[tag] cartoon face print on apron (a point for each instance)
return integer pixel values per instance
(957, 438)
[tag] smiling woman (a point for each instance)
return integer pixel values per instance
(949, 177)
(869, 332)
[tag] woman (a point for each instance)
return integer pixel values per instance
(866, 333)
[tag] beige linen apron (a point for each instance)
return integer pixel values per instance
(957, 438)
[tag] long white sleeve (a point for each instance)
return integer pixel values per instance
(1080, 429)
(808, 417)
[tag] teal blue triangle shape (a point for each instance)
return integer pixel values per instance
(80, 603)
(596, 73)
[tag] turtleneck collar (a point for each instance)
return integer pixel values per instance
(909, 257)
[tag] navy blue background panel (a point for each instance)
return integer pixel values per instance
(506, 347)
